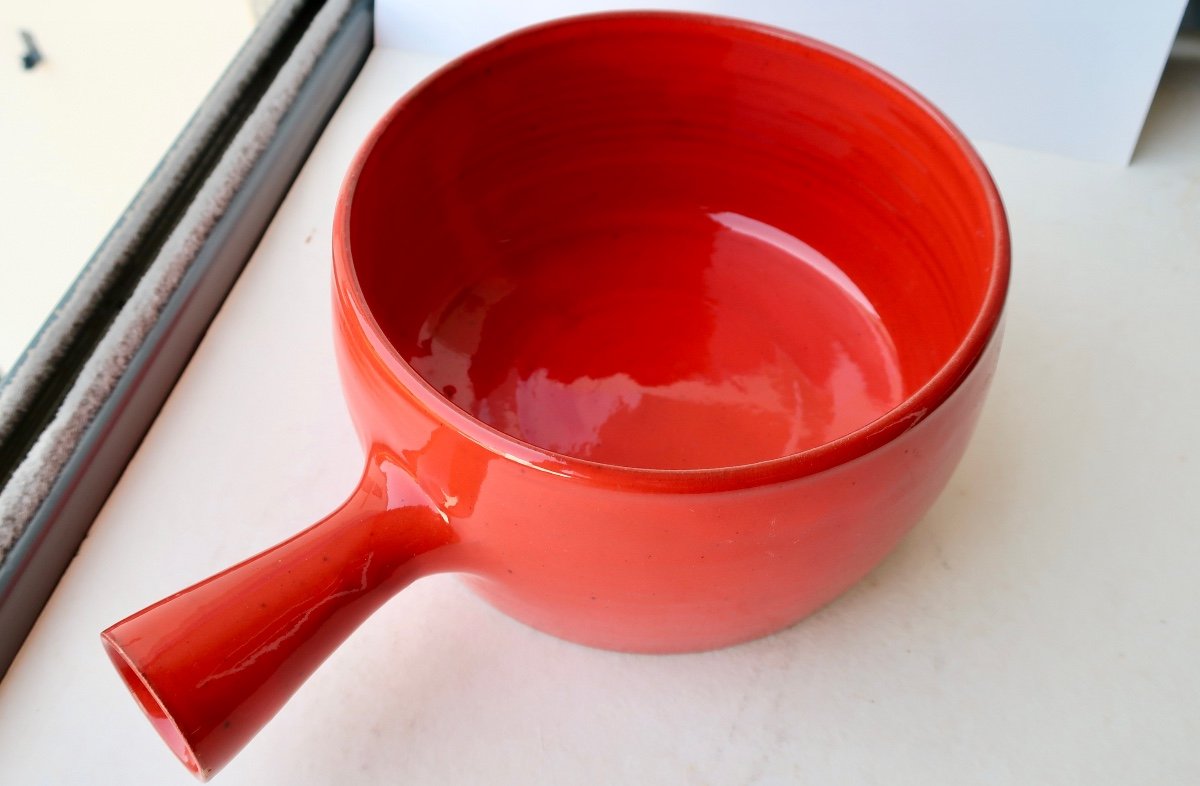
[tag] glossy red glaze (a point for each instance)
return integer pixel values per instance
(662, 328)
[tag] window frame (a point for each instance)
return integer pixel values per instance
(76, 405)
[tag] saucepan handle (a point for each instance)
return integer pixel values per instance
(212, 664)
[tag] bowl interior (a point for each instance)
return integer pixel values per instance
(655, 241)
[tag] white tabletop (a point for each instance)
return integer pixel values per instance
(1041, 625)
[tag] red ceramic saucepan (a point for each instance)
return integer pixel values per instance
(661, 329)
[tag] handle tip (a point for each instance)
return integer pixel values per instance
(152, 706)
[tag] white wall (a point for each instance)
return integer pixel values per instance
(1068, 76)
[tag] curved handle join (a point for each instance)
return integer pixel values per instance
(212, 664)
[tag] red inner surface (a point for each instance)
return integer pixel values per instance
(665, 247)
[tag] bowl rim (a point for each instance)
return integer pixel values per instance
(867, 438)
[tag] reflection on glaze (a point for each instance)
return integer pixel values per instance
(692, 340)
